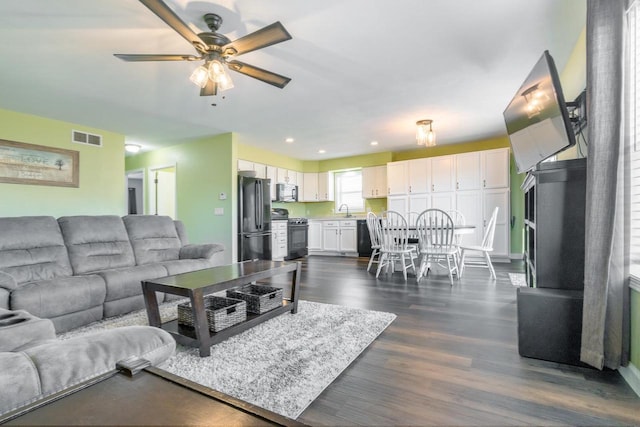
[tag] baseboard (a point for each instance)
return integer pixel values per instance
(631, 375)
(516, 256)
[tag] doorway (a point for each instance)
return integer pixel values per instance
(135, 192)
(162, 191)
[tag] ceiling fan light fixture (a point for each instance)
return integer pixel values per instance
(200, 76)
(216, 69)
(425, 134)
(218, 74)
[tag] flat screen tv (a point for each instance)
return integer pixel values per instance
(537, 118)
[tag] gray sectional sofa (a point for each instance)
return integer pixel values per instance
(34, 364)
(79, 269)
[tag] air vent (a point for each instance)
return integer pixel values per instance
(86, 138)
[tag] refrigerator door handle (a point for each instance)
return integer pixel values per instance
(268, 233)
(261, 217)
(256, 202)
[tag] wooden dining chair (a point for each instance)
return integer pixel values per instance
(480, 254)
(435, 230)
(458, 219)
(394, 244)
(373, 225)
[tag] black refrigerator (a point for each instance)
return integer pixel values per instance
(254, 218)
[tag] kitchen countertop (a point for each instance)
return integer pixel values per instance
(336, 218)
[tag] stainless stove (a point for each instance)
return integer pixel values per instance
(297, 238)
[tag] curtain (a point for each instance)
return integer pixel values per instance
(605, 310)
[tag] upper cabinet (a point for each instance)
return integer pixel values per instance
(419, 175)
(468, 171)
(495, 168)
(442, 174)
(317, 187)
(310, 187)
(258, 168)
(397, 178)
(374, 182)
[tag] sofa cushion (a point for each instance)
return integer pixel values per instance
(153, 238)
(32, 248)
(66, 362)
(96, 243)
(63, 295)
(19, 379)
(125, 282)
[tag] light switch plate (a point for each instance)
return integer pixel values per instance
(222, 196)
(218, 211)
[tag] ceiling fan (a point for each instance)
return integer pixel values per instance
(216, 50)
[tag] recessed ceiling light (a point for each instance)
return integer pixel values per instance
(374, 142)
(132, 148)
(289, 140)
(322, 151)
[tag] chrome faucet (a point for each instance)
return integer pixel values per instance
(346, 206)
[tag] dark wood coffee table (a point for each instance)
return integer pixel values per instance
(197, 284)
(150, 396)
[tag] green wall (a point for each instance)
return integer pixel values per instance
(102, 185)
(204, 169)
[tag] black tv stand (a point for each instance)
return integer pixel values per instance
(550, 310)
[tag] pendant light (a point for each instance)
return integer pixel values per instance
(425, 134)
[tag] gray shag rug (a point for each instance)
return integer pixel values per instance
(283, 364)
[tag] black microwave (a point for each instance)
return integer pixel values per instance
(286, 193)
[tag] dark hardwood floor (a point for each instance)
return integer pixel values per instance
(451, 357)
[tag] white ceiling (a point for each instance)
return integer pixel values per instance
(361, 70)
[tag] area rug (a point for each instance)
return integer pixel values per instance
(282, 364)
(518, 279)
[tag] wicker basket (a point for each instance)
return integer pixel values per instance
(259, 298)
(221, 312)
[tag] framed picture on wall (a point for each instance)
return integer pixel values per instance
(22, 163)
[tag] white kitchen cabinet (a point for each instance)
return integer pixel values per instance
(245, 165)
(397, 178)
(315, 236)
(339, 236)
(418, 202)
(495, 168)
(272, 174)
(469, 203)
(300, 184)
(325, 186)
(278, 240)
(399, 204)
(498, 198)
(374, 182)
(286, 176)
(310, 190)
(318, 187)
(468, 171)
(260, 169)
(442, 174)
(419, 179)
(443, 201)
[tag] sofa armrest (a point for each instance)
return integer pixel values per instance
(19, 329)
(195, 251)
(7, 281)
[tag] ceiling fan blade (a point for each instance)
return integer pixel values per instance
(210, 89)
(135, 57)
(258, 73)
(171, 19)
(267, 36)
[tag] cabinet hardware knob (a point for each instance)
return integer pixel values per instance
(409, 189)
(484, 182)
(457, 185)
(433, 187)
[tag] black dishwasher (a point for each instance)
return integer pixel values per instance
(364, 241)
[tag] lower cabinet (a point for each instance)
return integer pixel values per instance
(337, 237)
(278, 240)
(314, 242)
